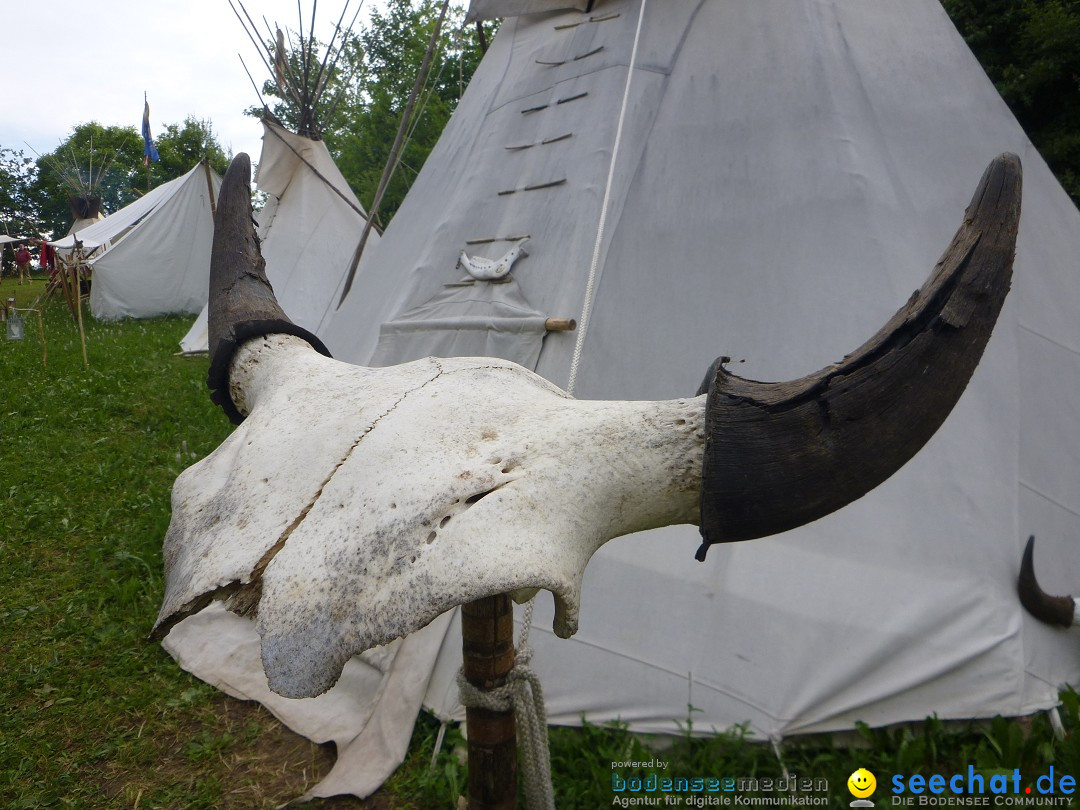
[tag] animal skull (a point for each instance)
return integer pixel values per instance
(353, 505)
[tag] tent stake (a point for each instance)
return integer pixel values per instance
(487, 634)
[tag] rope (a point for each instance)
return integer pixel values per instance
(590, 287)
(523, 693)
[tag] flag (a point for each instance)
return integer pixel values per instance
(149, 150)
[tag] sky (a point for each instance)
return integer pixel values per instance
(72, 61)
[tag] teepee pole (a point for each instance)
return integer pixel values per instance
(395, 150)
(209, 187)
(487, 634)
(78, 306)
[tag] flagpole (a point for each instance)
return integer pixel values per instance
(149, 152)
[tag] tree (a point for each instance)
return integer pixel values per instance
(94, 161)
(107, 162)
(366, 93)
(394, 45)
(18, 209)
(181, 147)
(1031, 51)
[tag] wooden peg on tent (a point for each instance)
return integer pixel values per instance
(560, 324)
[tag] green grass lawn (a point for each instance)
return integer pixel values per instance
(95, 716)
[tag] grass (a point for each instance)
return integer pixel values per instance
(94, 716)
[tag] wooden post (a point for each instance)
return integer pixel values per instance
(487, 633)
(209, 187)
(65, 285)
(78, 305)
(41, 331)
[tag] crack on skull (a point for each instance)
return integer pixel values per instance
(243, 598)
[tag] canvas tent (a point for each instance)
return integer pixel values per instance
(85, 211)
(308, 227)
(152, 257)
(768, 180)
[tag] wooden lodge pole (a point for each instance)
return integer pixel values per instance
(76, 275)
(487, 633)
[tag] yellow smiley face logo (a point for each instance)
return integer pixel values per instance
(861, 783)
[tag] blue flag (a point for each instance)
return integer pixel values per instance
(149, 150)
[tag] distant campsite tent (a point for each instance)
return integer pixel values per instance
(770, 181)
(6, 240)
(86, 211)
(309, 228)
(152, 257)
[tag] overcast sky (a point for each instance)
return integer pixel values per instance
(67, 62)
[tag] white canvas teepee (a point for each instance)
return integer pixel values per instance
(152, 256)
(308, 227)
(768, 180)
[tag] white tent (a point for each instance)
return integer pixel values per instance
(769, 180)
(82, 223)
(309, 228)
(152, 257)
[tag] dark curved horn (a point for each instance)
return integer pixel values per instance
(242, 302)
(779, 455)
(1058, 610)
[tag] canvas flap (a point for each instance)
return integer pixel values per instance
(478, 319)
(495, 9)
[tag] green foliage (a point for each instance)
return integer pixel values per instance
(394, 45)
(1030, 49)
(94, 160)
(108, 162)
(182, 146)
(18, 211)
(366, 93)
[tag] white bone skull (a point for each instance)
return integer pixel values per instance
(353, 505)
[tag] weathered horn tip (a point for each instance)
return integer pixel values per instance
(1002, 178)
(780, 455)
(242, 304)
(1056, 610)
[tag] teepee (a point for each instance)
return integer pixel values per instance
(83, 188)
(152, 256)
(308, 227)
(767, 180)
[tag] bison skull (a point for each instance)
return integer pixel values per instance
(352, 505)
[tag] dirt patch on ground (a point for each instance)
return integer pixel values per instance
(242, 748)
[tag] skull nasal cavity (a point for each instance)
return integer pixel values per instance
(474, 498)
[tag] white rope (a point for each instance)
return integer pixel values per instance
(590, 287)
(523, 693)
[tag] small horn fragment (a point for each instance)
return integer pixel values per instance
(779, 455)
(1057, 610)
(242, 302)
